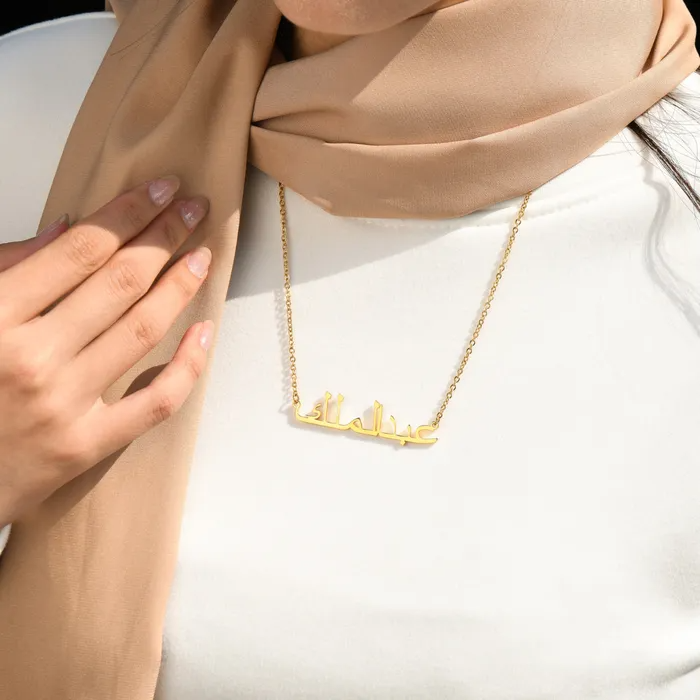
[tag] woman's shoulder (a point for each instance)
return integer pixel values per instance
(45, 71)
(47, 67)
(93, 31)
(59, 50)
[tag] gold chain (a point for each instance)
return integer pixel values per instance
(484, 313)
(472, 342)
(288, 296)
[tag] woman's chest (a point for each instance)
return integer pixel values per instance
(545, 547)
(553, 529)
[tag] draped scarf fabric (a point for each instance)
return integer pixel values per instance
(435, 117)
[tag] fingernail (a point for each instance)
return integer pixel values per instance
(162, 191)
(198, 262)
(54, 227)
(206, 334)
(193, 211)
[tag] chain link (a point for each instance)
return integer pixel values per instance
(288, 297)
(484, 313)
(472, 342)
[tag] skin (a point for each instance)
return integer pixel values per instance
(97, 281)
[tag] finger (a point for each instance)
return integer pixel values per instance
(134, 415)
(102, 362)
(13, 253)
(105, 297)
(83, 249)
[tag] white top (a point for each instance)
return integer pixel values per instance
(547, 547)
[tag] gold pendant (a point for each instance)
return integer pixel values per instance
(319, 418)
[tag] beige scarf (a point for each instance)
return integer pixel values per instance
(435, 117)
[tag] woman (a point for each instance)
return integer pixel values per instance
(545, 547)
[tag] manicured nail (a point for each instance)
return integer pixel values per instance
(162, 191)
(193, 211)
(206, 334)
(198, 262)
(54, 228)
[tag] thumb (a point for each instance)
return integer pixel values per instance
(12, 253)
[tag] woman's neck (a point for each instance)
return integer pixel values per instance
(307, 42)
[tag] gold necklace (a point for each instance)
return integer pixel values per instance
(320, 415)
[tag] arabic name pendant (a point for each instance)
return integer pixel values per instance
(319, 417)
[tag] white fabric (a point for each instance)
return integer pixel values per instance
(547, 547)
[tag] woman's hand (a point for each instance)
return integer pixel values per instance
(78, 308)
